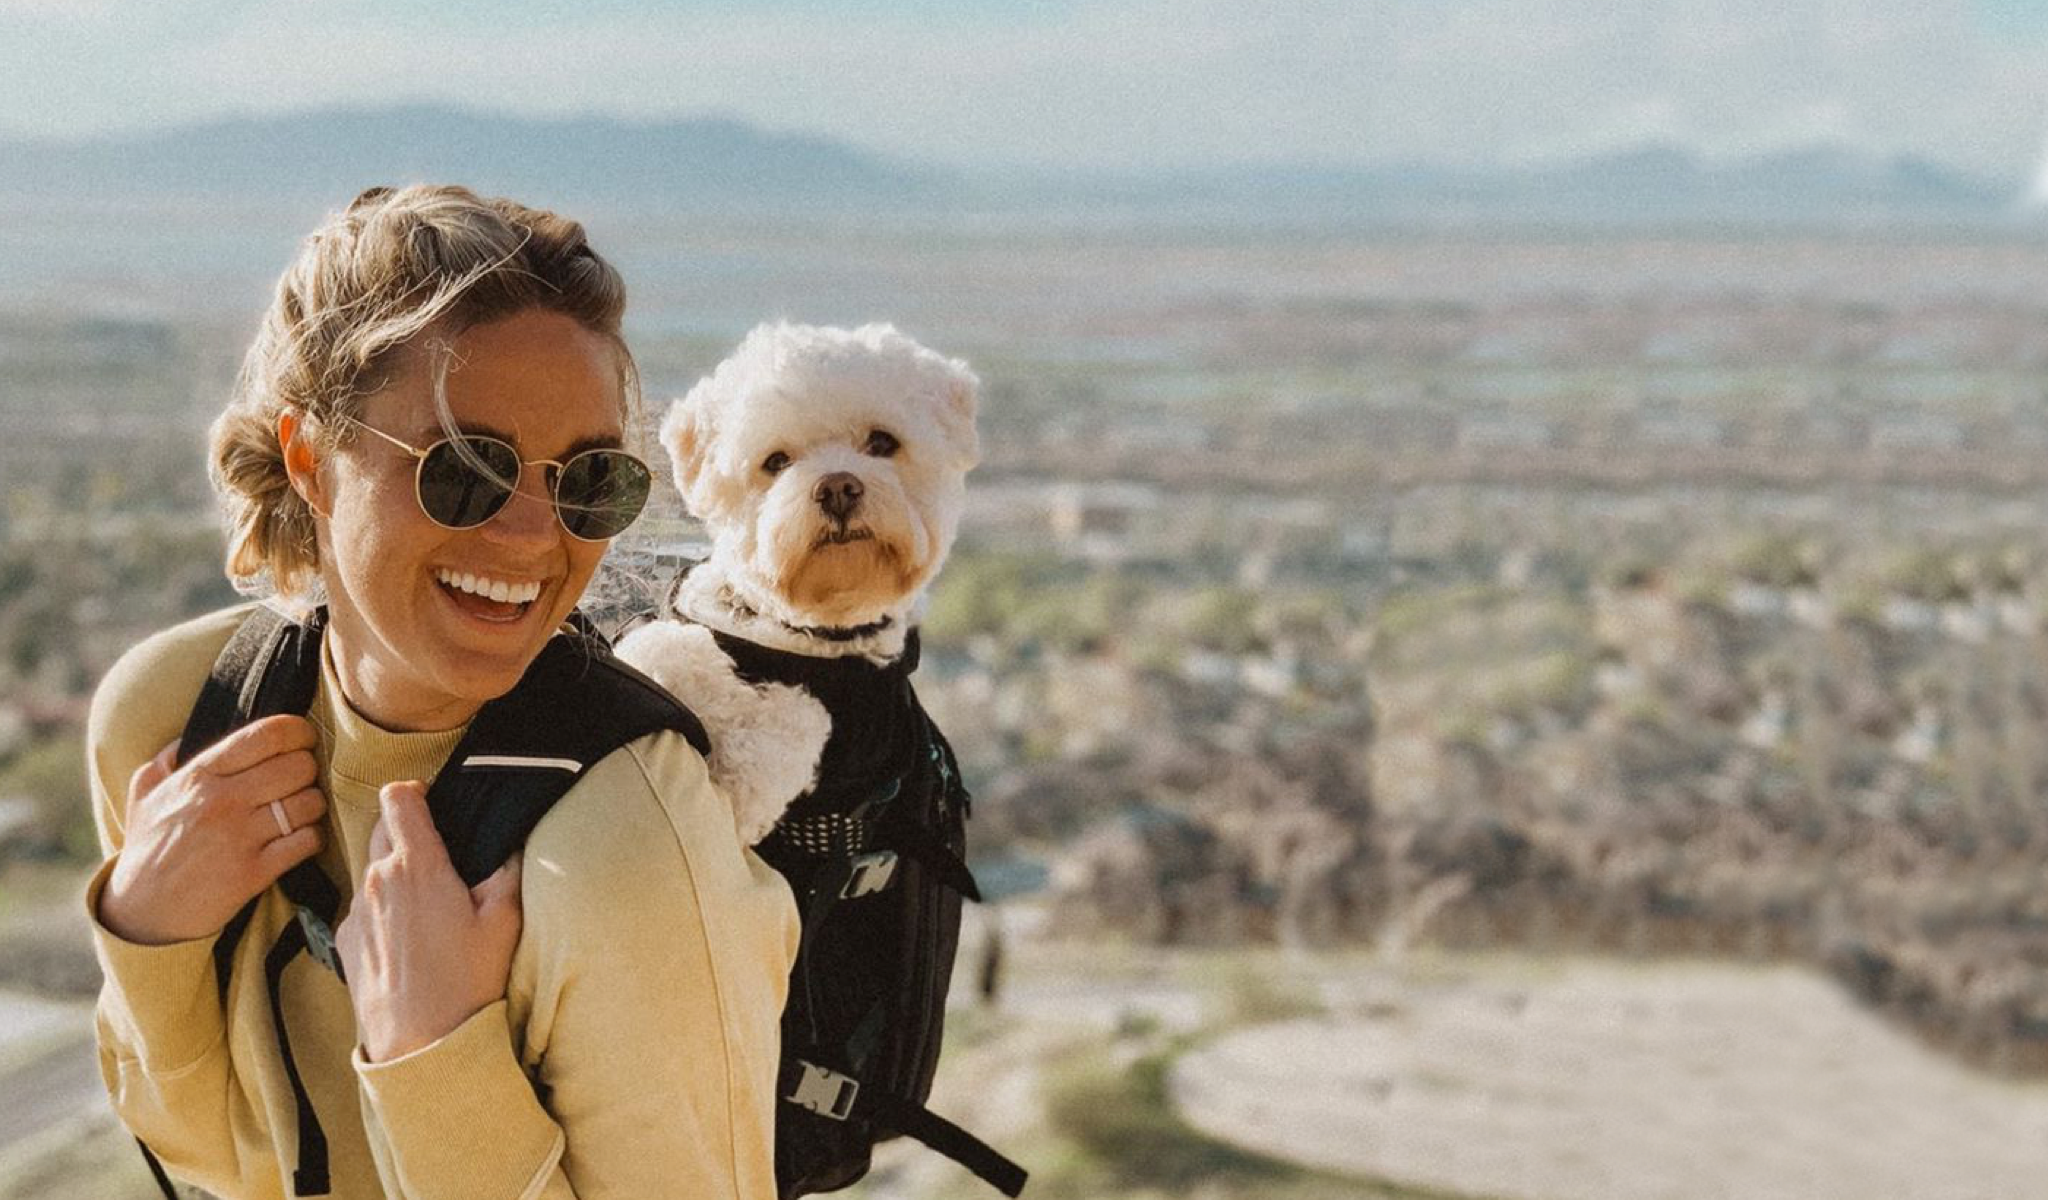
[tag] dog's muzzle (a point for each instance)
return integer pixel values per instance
(838, 494)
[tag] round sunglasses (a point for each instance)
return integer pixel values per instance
(463, 481)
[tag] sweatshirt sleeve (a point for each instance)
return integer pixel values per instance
(160, 1029)
(647, 991)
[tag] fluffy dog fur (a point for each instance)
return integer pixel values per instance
(824, 535)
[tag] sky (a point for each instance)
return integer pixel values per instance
(1091, 85)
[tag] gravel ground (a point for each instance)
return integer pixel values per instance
(59, 1086)
(49, 1087)
(1498, 1077)
(30, 1026)
(1602, 1081)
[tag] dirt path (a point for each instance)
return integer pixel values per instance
(46, 1065)
(56, 1086)
(1597, 1081)
(47, 1071)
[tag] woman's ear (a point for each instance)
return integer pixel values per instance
(301, 466)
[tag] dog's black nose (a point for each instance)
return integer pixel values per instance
(838, 494)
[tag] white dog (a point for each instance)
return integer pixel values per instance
(828, 468)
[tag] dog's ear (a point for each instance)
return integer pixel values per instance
(682, 434)
(957, 401)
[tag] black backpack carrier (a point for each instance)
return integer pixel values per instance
(875, 854)
(516, 759)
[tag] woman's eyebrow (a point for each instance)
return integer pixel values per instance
(601, 441)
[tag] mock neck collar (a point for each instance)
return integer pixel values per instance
(358, 750)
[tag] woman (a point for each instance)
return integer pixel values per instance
(599, 1023)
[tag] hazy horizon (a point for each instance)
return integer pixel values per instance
(1088, 85)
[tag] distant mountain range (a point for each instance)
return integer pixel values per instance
(721, 163)
(330, 153)
(1657, 184)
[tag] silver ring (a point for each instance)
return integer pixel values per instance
(284, 824)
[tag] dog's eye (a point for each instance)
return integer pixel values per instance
(882, 443)
(775, 462)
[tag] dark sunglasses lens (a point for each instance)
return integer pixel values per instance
(600, 492)
(464, 485)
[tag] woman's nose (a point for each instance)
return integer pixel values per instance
(527, 519)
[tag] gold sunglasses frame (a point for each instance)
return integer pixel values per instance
(560, 466)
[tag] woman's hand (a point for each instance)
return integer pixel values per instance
(422, 953)
(204, 838)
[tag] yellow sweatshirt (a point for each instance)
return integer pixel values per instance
(644, 999)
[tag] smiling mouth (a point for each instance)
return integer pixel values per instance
(841, 537)
(487, 599)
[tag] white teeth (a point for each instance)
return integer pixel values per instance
(492, 589)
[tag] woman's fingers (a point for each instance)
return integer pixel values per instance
(348, 944)
(499, 892)
(201, 839)
(499, 887)
(422, 952)
(380, 841)
(275, 777)
(254, 743)
(497, 911)
(305, 807)
(151, 773)
(281, 854)
(300, 809)
(407, 827)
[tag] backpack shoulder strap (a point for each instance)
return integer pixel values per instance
(575, 705)
(270, 665)
(521, 753)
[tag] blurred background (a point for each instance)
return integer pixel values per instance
(1501, 641)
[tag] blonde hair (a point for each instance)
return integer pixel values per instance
(365, 286)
